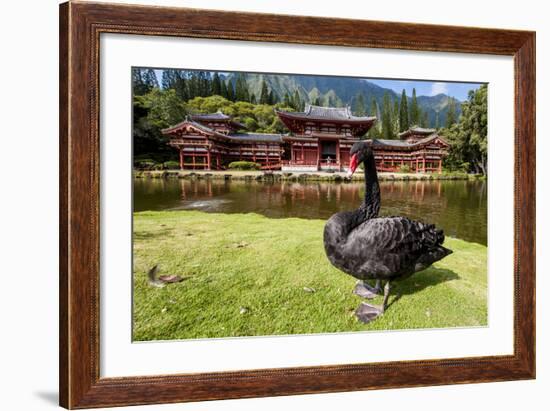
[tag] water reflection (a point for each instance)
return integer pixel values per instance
(459, 207)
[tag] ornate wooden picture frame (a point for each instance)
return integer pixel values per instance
(81, 25)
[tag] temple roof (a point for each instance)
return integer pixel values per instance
(210, 116)
(188, 122)
(394, 143)
(405, 144)
(275, 138)
(415, 130)
(263, 137)
(327, 113)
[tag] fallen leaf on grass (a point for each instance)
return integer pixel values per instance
(170, 278)
(243, 310)
(240, 244)
(309, 290)
(162, 280)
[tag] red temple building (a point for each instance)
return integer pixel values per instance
(420, 149)
(212, 141)
(319, 139)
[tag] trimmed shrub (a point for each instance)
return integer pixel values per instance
(171, 165)
(145, 164)
(404, 169)
(244, 165)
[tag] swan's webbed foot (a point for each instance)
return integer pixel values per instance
(362, 289)
(367, 312)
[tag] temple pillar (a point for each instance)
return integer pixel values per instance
(181, 158)
(440, 166)
(318, 154)
(338, 154)
(208, 165)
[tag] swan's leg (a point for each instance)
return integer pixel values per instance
(369, 312)
(362, 289)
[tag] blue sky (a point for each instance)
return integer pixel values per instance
(428, 88)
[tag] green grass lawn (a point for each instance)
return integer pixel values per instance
(246, 274)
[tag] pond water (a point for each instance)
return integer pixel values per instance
(459, 207)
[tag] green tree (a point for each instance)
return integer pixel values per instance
(403, 113)
(360, 108)
(287, 100)
(150, 79)
(193, 86)
(387, 129)
(241, 88)
(424, 120)
(154, 111)
(414, 115)
(223, 90)
(468, 137)
(230, 91)
(272, 99)
(297, 101)
(169, 78)
(264, 93)
(376, 129)
(451, 113)
(210, 104)
(216, 85)
(395, 117)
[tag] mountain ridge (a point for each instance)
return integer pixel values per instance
(342, 91)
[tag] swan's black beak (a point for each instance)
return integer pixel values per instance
(353, 165)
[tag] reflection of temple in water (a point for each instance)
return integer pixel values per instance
(460, 207)
(325, 195)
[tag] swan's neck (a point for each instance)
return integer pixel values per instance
(371, 204)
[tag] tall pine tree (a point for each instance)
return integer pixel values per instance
(375, 130)
(241, 88)
(150, 79)
(451, 113)
(414, 115)
(230, 91)
(424, 119)
(223, 88)
(264, 93)
(216, 85)
(272, 99)
(387, 129)
(403, 113)
(395, 117)
(287, 101)
(297, 101)
(169, 78)
(360, 108)
(181, 86)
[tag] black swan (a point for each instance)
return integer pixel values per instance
(369, 247)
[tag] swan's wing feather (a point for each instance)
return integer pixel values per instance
(390, 245)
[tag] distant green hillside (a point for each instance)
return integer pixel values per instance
(340, 91)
